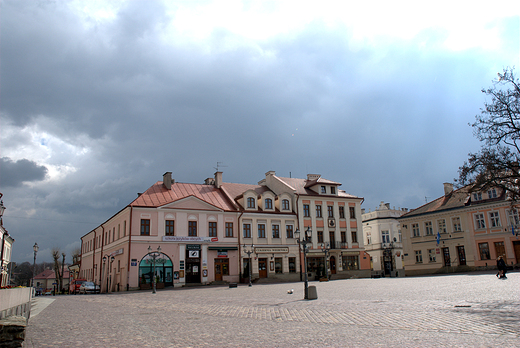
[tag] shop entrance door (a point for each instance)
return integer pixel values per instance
(500, 249)
(516, 247)
(446, 255)
(462, 255)
(193, 270)
(332, 261)
(262, 268)
(221, 268)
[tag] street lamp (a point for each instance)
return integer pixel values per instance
(107, 270)
(249, 252)
(304, 241)
(154, 255)
(326, 247)
(35, 248)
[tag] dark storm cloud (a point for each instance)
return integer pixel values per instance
(16, 173)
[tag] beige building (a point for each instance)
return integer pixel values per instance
(460, 231)
(6, 246)
(383, 240)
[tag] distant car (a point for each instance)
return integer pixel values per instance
(89, 287)
(74, 285)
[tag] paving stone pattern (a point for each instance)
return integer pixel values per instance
(473, 310)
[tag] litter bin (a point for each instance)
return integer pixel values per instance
(312, 293)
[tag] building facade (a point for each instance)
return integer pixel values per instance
(181, 234)
(6, 247)
(461, 231)
(383, 240)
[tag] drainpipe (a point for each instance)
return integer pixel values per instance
(129, 247)
(101, 255)
(240, 250)
(298, 219)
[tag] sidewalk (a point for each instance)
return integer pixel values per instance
(473, 310)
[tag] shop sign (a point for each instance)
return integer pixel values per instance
(134, 262)
(193, 254)
(192, 246)
(117, 252)
(204, 272)
(437, 251)
(222, 254)
(272, 250)
(189, 239)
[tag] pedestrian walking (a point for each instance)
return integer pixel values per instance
(502, 268)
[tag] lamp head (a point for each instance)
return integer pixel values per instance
(149, 249)
(35, 247)
(104, 259)
(159, 248)
(297, 234)
(308, 233)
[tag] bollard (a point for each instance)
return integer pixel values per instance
(313, 293)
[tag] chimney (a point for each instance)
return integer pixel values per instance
(167, 180)
(218, 179)
(271, 172)
(312, 177)
(448, 188)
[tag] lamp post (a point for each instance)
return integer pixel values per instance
(250, 266)
(35, 248)
(62, 272)
(104, 269)
(154, 255)
(304, 241)
(326, 247)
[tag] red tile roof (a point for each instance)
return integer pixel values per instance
(158, 195)
(50, 274)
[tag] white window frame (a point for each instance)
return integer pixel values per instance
(429, 228)
(432, 255)
(480, 222)
(416, 232)
(418, 256)
(494, 219)
(457, 227)
(441, 225)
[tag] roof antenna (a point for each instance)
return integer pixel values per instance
(219, 165)
(426, 199)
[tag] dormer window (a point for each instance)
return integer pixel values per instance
(251, 203)
(477, 196)
(492, 193)
(333, 190)
(323, 189)
(285, 204)
(268, 203)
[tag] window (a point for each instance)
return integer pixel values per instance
(477, 196)
(268, 203)
(400, 236)
(212, 229)
(352, 212)
(494, 219)
(318, 211)
(285, 204)
(484, 251)
(320, 236)
(229, 229)
(514, 219)
(385, 237)
(492, 193)
(330, 211)
(292, 264)
(289, 231)
(251, 202)
(341, 212)
(145, 228)
(323, 189)
(350, 262)
(456, 224)
(278, 265)
(261, 230)
(247, 230)
(431, 255)
(354, 236)
(332, 239)
(479, 221)
(415, 230)
(332, 190)
(276, 231)
(441, 224)
(343, 236)
(418, 256)
(192, 228)
(428, 227)
(169, 229)
(306, 211)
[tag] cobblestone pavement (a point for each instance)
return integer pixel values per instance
(472, 310)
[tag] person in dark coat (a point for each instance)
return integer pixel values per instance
(502, 268)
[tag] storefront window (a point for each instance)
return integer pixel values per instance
(163, 270)
(292, 264)
(278, 265)
(350, 262)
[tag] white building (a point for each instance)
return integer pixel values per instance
(6, 245)
(383, 240)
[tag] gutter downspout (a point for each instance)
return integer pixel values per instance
(240, 250)
(299, 253)
(101, 256)
(129, 248)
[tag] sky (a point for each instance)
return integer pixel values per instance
(98, 99)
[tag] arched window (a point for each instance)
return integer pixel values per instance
(285, 204)
(250, 202)
(268, 203)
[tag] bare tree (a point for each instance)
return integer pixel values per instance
(498, 127)
(56, 253)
